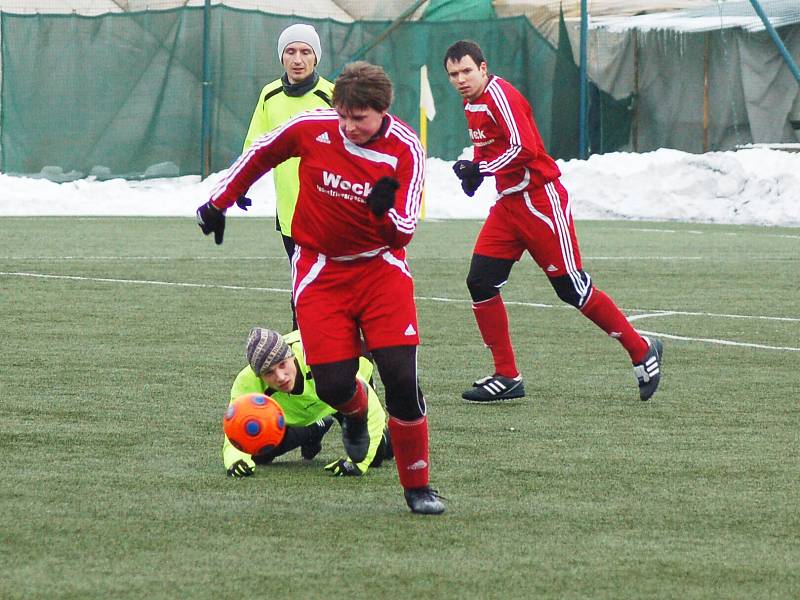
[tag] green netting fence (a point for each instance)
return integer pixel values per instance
(121, 94)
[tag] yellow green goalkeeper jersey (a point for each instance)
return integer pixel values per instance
(274, 108)
(305, 408)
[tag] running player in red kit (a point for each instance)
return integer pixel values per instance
(361, 175)
(532, 213)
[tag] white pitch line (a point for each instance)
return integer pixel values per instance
(650, 312)
(149, 282)
(642, 258)
(698, 232)
(110, 258)
(233, 258)
(648, 315)
(649, 230)
(429, 299)
(718, 341)
(685, 313)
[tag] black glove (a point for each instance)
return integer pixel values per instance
(210, 218)
(470, 175)
(381, 198)
(343, 468)
(240, 469)
(243, 202)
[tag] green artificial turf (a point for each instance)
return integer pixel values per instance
(121, 337)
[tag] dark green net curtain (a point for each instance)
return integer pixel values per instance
(121, 94)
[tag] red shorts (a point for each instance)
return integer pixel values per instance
(540, 222)
(336, 299)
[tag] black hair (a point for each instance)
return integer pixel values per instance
(464, 48)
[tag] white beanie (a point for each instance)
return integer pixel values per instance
(299, 33)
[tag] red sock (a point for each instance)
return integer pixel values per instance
(492, 322)
(410, 445)
(604, 313)
(357, 405)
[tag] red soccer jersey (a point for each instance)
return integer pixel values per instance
(336, 176)
(506, 140)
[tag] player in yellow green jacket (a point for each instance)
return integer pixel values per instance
(284, 376)
(299, 89)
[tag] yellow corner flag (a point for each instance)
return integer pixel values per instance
(427, 111)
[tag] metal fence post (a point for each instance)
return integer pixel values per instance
(787, 58)
(584, 88)
(205, 137)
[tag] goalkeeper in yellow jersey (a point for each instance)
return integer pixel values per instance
(277, 367)
(299, 89)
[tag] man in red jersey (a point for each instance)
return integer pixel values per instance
(361, 174)
(532, 212)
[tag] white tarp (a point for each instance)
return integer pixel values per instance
(81, 7)
(752, 95)
(543, 14)
(311, 9)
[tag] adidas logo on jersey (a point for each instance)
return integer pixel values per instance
(323, 138)
(410, 330)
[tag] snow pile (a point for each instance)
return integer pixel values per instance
(757, 186)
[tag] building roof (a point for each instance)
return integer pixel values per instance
(725, 15)
(614, 15)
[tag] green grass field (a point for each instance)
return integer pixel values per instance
(121, 336)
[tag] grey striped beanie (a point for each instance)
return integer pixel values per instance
(266, 348)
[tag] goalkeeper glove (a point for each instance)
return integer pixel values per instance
(381, 198)
(210, 218)
(470, 175)
(343, 468)
(243, 202)
(240, 469)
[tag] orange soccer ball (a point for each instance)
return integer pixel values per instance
(254, 423)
